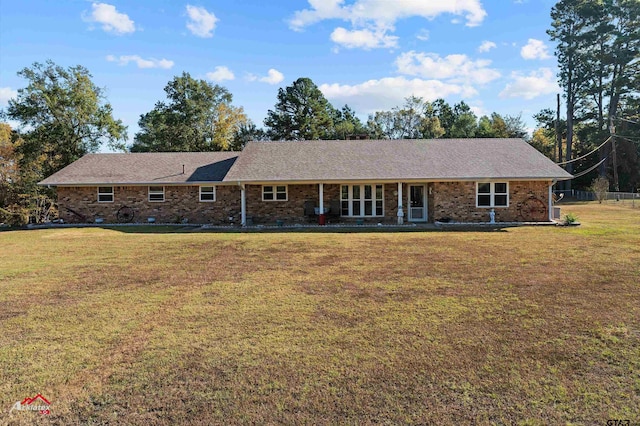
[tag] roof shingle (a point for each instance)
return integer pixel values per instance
(392, 160)
(145, 168)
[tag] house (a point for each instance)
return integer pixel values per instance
(388, 181)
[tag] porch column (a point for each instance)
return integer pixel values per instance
(321, 216)
(243, 205)
(400, 212)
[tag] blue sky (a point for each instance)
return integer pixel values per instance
(369, 54)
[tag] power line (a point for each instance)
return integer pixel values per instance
(584, 172)
(586, 155)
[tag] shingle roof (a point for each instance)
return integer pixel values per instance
(314, 161)
(392, 160)
(145, 168)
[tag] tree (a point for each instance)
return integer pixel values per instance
(198, 116)
(347, 124)
(494, 127)
(464, 123)
(515, 127)
(63, 115)
(246, 133)
(301, 113)
(600, 186)
(415, 119)
(568, 23)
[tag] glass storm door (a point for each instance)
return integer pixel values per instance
(417, 204)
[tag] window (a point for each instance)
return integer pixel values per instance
(105, 194)
(274, 193)
(207, 193)
(492, 194)
(362, 200)
(156, 193)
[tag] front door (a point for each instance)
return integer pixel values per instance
(417, 204)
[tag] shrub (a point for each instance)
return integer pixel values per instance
(600, 186)
(570, 218)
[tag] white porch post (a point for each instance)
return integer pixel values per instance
(400, 212)
(243, 205)
(321, 217)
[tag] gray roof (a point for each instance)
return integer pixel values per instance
(446, 159)
(145, 168)
(314, 161)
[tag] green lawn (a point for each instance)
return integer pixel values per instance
(534, 325)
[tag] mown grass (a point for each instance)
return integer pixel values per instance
(527, 326)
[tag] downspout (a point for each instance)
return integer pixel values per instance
(551, 200)
(243, 205)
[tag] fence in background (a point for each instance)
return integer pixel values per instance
(632, 198)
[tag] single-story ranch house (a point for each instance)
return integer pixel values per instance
(379, 181)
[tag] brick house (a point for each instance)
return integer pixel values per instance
(382, 181)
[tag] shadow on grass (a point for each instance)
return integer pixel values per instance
(168, 229)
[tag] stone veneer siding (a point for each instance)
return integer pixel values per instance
(181, 202)
(457, 201)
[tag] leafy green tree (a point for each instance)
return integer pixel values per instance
(465, 122)
(415, 119)
(347, 124)
(63, 115)
(246, 133)
(443, 111)
(301, 113)
(197, 116)
(514, 127)
(494, 127)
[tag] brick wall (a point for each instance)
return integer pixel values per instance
(457, 201)
(453, 200)
(181, 202)
(290, 211)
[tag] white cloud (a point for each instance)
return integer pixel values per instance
(7, 93)
(423, 35)
(273, 77)
(140, 62)
(365, 39)
(386, 93)
(384, 12)
(535, 49)
(112, 21)
(220, 74)
(456, 68)
(201, 22)
(486, 46)
(537, 83)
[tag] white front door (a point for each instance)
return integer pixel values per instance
(417, 203)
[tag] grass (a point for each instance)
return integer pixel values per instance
(530, 326)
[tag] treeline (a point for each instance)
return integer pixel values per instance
(598, 51)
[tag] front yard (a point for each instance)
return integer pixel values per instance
(532, 325)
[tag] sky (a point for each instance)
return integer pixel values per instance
(370, 54)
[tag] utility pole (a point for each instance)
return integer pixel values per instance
(558, 150)
(612, 128)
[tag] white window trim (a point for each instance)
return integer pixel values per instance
(149, 192)
(362, 200)
(112, 193)
(275, 193)
(200, 193)
(492, 194)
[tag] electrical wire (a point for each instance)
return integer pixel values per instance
(586, 155)
(584, 172)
